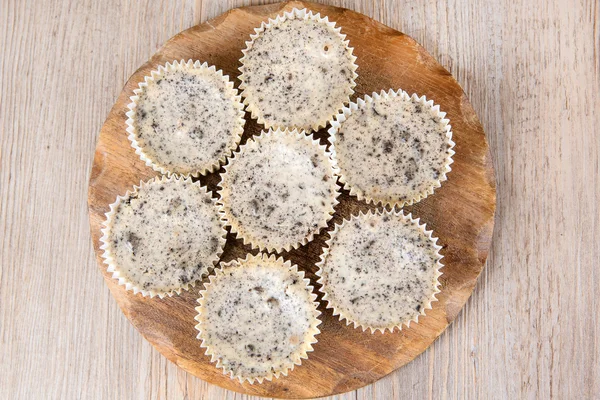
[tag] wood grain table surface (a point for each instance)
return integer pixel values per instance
(532, 72)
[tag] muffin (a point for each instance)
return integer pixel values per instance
(185, 118)
(162, 237)
(392, 148)
(298, 71)
(380, 271)
(278, 190)
(257, 318)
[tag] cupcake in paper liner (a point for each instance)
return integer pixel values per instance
(185, 118)
(380, 270)
(162, 237)
(297, 70)
(279, 190)
(257, 318)
(392, 148)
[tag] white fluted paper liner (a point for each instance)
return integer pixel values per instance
(108, 254)
(251, 103)
(339, 120)
(297, 355)
(246, 235)
(339, 311)
(232, 141)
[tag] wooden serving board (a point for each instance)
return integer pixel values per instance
(461, 212)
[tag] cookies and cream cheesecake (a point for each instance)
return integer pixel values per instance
(392, 148)
(279, 190)
(380, 270)
(163, 236)
(257, 318)
(297, 71)
(185, 118)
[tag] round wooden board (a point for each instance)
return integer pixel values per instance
(461, 212)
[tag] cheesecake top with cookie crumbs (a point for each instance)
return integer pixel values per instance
(187, 119)
(279, 190)
(257, 317)
(297, 73)
(380, 271)
(393, 149)
(165, 235)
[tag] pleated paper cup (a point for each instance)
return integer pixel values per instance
(107, 240)
(275, 240)
(145, 150)
(236, 363)
(389, 199)
(349, 316)
(252, 100)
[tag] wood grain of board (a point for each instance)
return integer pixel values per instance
(461, 212)
(531, 71)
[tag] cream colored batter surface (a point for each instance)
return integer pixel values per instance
(257, 318)
(279, 190)
(380, 271)
(165, 235)
(393, 149)
(298, 73)
(187, 120)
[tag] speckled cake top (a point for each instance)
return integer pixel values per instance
(279, 190)
(297, 71)
(257, 318)
(186, 118)
(380, 270)
(163, 237)
(392, 148)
